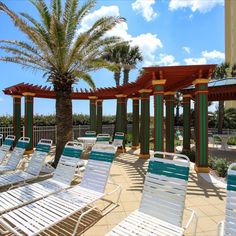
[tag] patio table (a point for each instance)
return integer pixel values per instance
(224, 139)
(87, 141)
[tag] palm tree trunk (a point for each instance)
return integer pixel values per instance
(126, 75)
(177, 115)
(63, 118)
(220, 116)
(117, 77)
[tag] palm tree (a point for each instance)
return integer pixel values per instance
(130, 56)
(55, 47)
(178, 104)
(220, 72)
(123, 56)
(112, 55)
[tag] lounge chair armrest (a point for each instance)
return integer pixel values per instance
(116, 189)
(3, 232)
(220, 228)
(193, 215)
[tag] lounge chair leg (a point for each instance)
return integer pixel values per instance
(81, 216)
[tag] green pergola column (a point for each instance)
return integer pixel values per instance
(93, 112)
(29, 118)
(145, 123)
(170, 104)
(186, 115)
(201, 125)
(121, 113)
(99, 116)
(17, 116)
(135, 126)
(158, 91)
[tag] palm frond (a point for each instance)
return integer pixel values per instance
(86, 77)
(44, 12)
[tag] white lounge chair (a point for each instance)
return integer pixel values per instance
(103, 138)
(6, 146)
(36, 217)
(16, 155)
(17, 197)
(228, 226)
(118, 140)
(163, 200)
(34, 167)
(90, 133)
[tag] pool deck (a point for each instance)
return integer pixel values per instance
(129, 171)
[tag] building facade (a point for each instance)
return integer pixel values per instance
(230, 37)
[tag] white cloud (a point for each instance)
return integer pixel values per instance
(148, 43)
(89, 19)
(207, 57)
(186, 49)
(213, 55)
(145, 8)
(167, 60)
(195, 61)
(1, 99)
(202, 6)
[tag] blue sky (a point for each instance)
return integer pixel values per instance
(175, 32)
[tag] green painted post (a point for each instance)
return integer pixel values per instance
(99, 116)
(201, 125)
(93, 112)
(145, 123)
(121, 113)
(187, 122)
(29, 118)
(158, 91)
(135, 126)
(170, 135)
(17, 116)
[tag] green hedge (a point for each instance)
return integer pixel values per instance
(49, 120)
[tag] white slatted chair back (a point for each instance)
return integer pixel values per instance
(38, 158)
(230, 211)
(66, 167)
(7, 143)
(98, 167)
(118, 139)
(165, 188)
(18, 151)
(90, 133)
(6, 146)
(103, 138)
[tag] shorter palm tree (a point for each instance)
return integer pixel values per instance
(130, 57)
(220, 72)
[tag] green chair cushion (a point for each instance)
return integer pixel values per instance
(43, 148)
(168, 170)
(102, 156)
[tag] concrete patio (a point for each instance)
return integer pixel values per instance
(129, 171)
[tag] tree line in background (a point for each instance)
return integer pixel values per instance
(81, 119)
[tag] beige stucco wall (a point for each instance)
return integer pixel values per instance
(230, 37)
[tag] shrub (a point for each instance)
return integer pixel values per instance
(190, 154)
(220, 165)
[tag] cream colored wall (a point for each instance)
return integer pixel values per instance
(230, 38)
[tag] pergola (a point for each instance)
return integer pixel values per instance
(161, 82)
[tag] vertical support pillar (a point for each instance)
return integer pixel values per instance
(170, 135)
(99, 116)
(187, 121)
(93, 112)
(135, 126)
(121, 113)
(29, 117)
(145, 123)
(158, 91)
(201, 125)
(17, 116)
